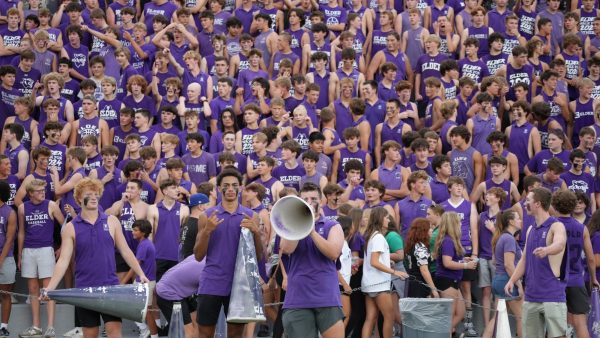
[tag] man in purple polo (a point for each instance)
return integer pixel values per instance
(544, 264)
(218, 237)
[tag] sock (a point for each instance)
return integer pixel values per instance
(157, 322)
(3, 325)
(469, 315)
(141, 326)
(154, 336)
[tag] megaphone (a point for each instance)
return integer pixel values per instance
(292, 218)
(123, 301)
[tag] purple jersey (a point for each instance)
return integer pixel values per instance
(447, 248)
(518, 75)
(482, 128)
(476, 70)
(167, 232)
(201, 168)
(345, 156)
(495, 62)
(289, 177)
(79, 58)
(39, 225)
(539, 163)
(221, 253)
(485, 235)
(428, 66)
(307, 266)
(146, 255)
(463, 209)
(526, 23)
(95, 258)
(411, 209)
(542, 284)
(482, 34)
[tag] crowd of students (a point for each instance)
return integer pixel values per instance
(428, 128)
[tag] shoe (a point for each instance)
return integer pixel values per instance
(163, 331)
(103, 333)
(470, 331)
(50, 332)
(31, 332)
(4, 333)
(144, 333)
(263, 331)
(77, 331)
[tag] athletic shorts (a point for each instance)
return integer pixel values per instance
(120, 263)
(551, 315)
(209, 308)
(487, 270)
(37, 262)
(162, 266)
(578, 301)
(303, 323)
(470, 275)
(8, 271)
(188, 306)
(89, 318)
(444, 283)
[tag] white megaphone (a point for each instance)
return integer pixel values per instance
(292, 218)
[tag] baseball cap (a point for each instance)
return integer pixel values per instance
(197, 199)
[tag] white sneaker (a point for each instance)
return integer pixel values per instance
(75, 332)
(144, 333)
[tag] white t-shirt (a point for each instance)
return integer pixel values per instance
(371, 276)
(346, 262)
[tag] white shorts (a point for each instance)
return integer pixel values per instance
(8, 271)
(487, 270)
(37, 262)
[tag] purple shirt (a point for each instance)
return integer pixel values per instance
(94, 253)
(506, 243)
(308, 266)
(146, 255)
(447, 249)
(181, 281)
(222, 251)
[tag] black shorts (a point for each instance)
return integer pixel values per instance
(444, 283)
(470, 275)
(162, 266)
(416, 289)
(120, 262)
(578, 301)
(89, 318)
(209, 308)
(188, 306)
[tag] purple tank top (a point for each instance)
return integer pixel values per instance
(526, 23)
(69, 198)
(13, 156)
(167, 233)
(504, 185)
(542, 284)
(391, 133)
(88, 127)
(26, 140)
(94, 253)
(586, 21)
(379, 41)
(485, 235)
(79, 58)
(514, 76)
(462, 166)
(109, 196)
(583, 117)
(414, 46)
(307, 266)
(296, 43)
(481, 130)
(464, 213)
(109, 112)
(446, 147)
(482, 34)
(519, 143)
(268, 200)
(343, 116)
(345, 156)
(39, 226)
